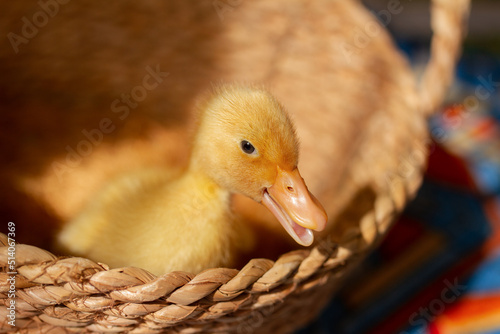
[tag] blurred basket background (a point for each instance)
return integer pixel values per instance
(331, 58)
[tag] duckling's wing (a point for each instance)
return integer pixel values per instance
(98, 218)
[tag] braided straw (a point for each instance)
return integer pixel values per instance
(79, 293)
(67, 295)
(449, 24)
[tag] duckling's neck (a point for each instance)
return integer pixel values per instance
(204, 189)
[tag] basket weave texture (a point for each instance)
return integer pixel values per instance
(367, 84)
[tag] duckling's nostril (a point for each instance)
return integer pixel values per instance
(290, 189)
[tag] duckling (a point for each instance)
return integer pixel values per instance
(162, 220)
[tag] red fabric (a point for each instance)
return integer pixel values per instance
(444, 167)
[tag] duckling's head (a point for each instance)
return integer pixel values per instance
(247, 144)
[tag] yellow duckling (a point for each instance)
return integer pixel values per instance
(164, 221)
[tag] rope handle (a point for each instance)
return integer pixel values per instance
(449, 25)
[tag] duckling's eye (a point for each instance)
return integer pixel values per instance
(247, 147)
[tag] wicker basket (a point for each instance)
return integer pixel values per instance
(356, 66)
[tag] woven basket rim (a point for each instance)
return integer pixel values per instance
(49, 279)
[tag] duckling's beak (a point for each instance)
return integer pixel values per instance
(294, 206)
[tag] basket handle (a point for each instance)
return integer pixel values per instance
(449, 25)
